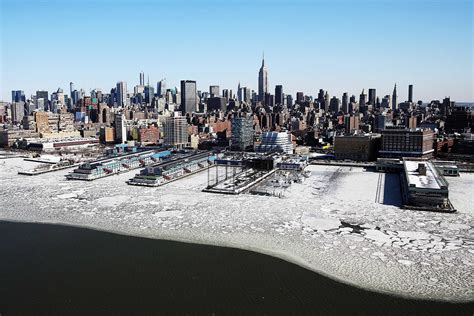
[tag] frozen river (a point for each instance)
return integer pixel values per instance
(343, 222)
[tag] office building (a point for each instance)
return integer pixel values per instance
(216, 104)
(289, 101)
(372, 97)
(45, 98)
(334, 104)
(279, 95)
(394, 98)
(262, 81)
(357, 147)
(188, 96)
(142, 79)
(121, 94)
(161, 88)
(410, 93)
(18, 112)
(345, 103)
(400, 142)
(120, 129)
(176, 130)
(18, 96)
(214, 91)
(242, 133)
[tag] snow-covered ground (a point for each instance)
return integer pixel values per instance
(343, 222)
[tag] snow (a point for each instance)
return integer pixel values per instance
(331, 223)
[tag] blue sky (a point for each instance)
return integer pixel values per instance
(335, 45)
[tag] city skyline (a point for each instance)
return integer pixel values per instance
(333, 46)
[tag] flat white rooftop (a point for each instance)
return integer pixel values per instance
(428, 181)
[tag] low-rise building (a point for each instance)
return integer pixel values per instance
(357, 147)
(424, 188)
(399, 142)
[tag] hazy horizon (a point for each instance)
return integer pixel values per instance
(338, 46)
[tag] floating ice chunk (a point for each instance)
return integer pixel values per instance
(413, 235)
(71, 195)
(111, 201)
(405, 262)
(377, 236)
(453, 226)
(316, 221)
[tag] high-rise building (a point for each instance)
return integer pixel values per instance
(410, 93)
(18, 112)
(121, 93)
(299, 97)
(142, 78)
(239, 93)
(161, 88)
(345, 103)
(242, 133)
(334, 104)
(42, 95)
(71, 88)
(362, 100)
(149, 94)
(262, 81)
(176, 130)
(289, 100)
(394, 98)
(18, 96)
(246, 95)
(120, 129)
(188, 96)
(372, 97)
(326, 102)
(214, 91)
(279, 94)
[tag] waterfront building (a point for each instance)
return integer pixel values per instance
(400, 142)
(357, 147)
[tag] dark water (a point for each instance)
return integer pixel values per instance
(51, 269)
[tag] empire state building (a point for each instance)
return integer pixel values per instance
(262, 81)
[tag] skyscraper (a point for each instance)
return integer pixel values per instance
(345, 103)
(161, 88)
(142, 78)
(394, 98)
(239, 93)
(279, 94)
(242, 133)
(18, 96)
(214, 91)
(188, 96)
(262, 81)
(372, 97)
(362, 100)
(176, 130)
(121, 93)
(42, 95)
(120, 129)
(71, 87)
(410, 93)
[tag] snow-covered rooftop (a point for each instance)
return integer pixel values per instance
(428, 181)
